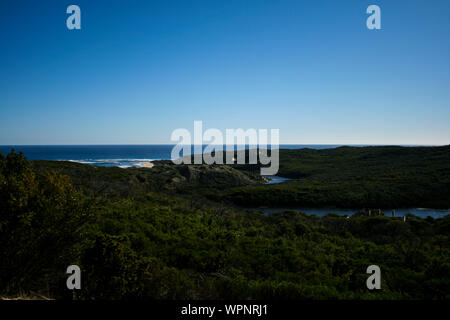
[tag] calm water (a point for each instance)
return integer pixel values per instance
(276, 179)
(420, 212)
(112, 155)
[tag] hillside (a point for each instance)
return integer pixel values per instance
(355, 177)
(150, 234)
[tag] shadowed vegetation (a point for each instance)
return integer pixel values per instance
(170, 232)
(353, 177)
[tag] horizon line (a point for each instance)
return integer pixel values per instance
(206, 144)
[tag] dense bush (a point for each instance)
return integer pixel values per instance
(354, 177)
(161, 244)
(41, 226)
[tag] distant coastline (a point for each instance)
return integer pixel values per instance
(123, 156)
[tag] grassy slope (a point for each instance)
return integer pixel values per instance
(111, 182)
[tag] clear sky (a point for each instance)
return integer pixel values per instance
(137, 70)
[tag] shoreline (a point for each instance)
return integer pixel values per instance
(146, 164)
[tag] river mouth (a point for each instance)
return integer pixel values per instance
(320, 212)
(275, 179)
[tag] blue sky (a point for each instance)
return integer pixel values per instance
(137, 70)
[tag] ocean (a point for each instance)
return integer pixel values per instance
(123, 156)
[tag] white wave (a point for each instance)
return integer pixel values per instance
(79, 161)
(119, 162)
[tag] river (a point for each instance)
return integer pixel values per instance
(420, 212)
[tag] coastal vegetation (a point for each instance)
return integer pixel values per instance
(182, 231)
(355, 177)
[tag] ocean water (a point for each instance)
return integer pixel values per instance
(123, 156)
(101, 155)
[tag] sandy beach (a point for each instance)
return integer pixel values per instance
(146, 164)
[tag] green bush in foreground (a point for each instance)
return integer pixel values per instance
(160, 246)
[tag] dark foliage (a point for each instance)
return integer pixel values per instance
(150, 233)
(353, 177)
